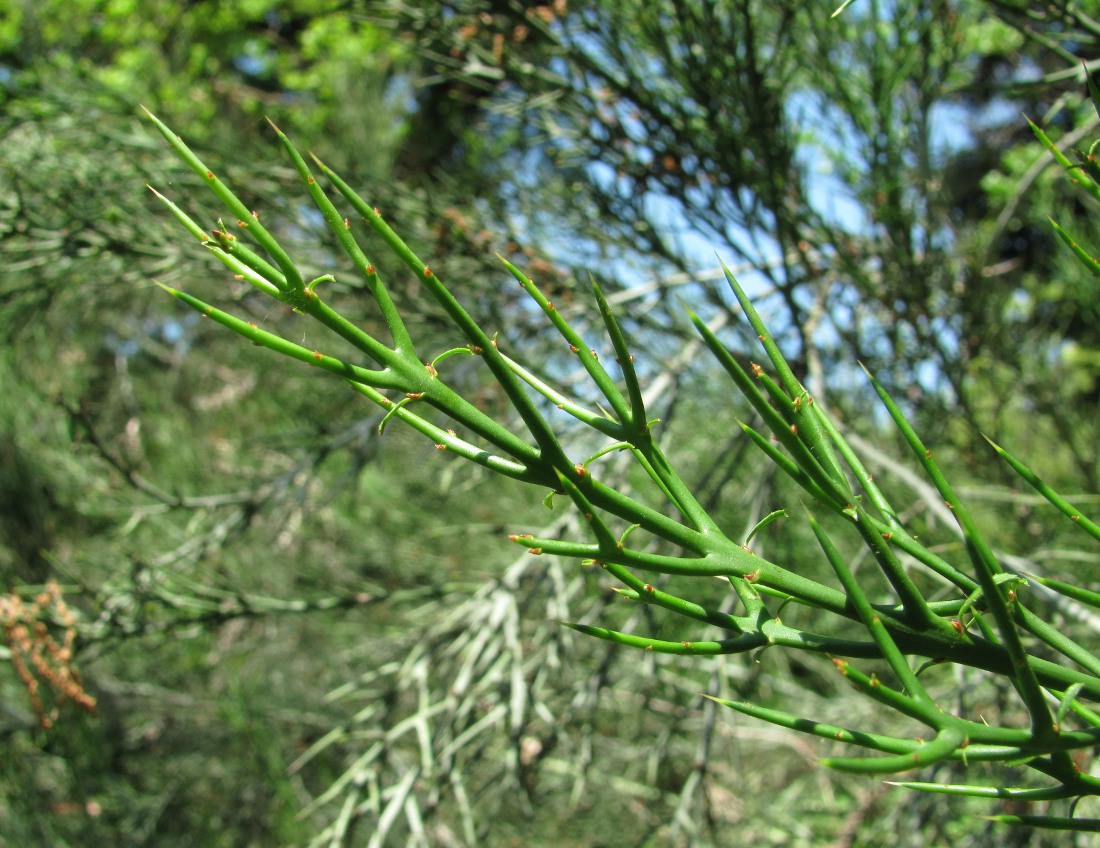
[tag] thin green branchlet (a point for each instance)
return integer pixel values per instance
(985, 624)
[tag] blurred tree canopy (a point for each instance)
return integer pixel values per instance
(870, 168)
(235, 544)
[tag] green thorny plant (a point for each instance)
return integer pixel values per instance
(987, 626)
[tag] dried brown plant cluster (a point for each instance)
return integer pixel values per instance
(37, 656)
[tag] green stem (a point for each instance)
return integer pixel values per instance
(264, 239)
(986, 568)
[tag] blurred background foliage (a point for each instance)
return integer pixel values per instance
(299, 632)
